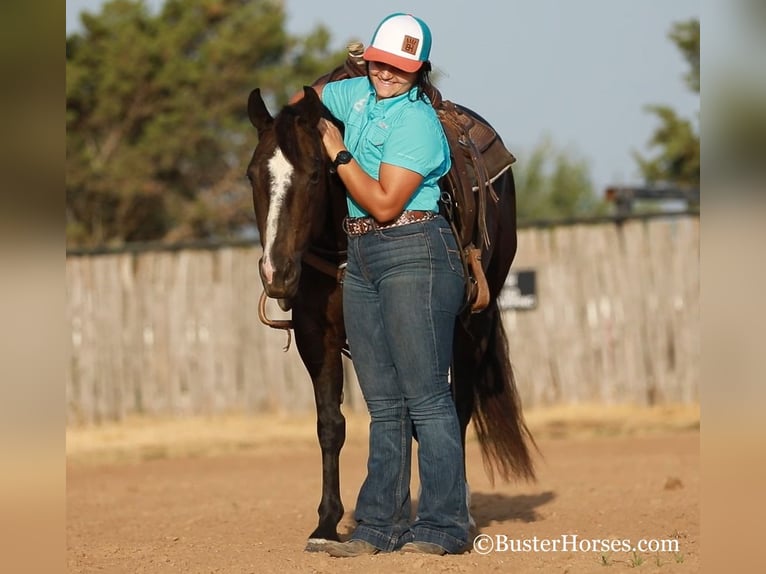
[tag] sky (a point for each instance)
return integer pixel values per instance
(577, 72)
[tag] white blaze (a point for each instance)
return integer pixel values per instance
(281, 172)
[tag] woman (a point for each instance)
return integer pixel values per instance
(402, 291)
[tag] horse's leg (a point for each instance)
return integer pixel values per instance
(462, 388)
(464, 364)
(319, 337)
(331, 431)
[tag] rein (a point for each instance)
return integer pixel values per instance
(284, 324)
(321, 260)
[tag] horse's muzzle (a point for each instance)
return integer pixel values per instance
(280, 282)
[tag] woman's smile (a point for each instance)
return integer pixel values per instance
(389, 81)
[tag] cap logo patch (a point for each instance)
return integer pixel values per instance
(410, 45)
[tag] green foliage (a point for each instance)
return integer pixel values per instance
(686, 36)
(677, 141)
(678, 160)
(156, 110)
(554, 184)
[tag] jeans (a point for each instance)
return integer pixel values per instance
(402, 292)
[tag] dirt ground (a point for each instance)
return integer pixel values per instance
(240, 496)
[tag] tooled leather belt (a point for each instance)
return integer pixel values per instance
(354, 226)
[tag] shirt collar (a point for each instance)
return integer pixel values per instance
(388, 103)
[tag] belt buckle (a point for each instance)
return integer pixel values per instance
(355, 226)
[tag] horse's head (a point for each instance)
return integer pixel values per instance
(289, 176)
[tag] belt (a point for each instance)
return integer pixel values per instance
(360, 225)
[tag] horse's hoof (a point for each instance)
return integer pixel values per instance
(316, 544)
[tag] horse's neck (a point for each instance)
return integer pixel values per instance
(337, 213)
(332, 236)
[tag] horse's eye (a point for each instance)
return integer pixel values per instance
(317, 172)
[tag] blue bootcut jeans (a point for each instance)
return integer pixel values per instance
(402, 291)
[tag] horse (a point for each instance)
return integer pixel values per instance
(300, 205)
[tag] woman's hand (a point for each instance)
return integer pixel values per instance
(331, 138)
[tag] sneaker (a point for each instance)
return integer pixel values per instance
(424, 548)
(350, 548)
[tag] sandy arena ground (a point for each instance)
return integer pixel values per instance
(239, 495)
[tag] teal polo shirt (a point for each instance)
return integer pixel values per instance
(397, 131)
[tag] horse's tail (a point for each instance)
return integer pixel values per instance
(497, 417)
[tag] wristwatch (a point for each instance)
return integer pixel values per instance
(344, 156)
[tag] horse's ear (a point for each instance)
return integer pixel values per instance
(311, 95)
(313, 104)
(256, 110)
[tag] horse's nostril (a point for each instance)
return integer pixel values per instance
(291, 271)
(267, 271)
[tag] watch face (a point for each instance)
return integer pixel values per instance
(342, 157)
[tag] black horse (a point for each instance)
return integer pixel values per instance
(299, 206)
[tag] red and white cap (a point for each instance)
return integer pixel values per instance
(401, 40)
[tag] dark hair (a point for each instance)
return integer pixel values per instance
(423, 82)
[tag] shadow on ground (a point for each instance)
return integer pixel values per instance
(487, 508)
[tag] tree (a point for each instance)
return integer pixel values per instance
(157, 130)
(554, 184)
(677, 160)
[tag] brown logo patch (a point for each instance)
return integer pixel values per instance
(410, 45)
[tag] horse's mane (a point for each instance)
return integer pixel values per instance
(285, 124)
(300, 116)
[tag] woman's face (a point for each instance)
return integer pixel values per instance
(389, 81)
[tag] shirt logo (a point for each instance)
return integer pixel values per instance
(359, 104)
(410, 45)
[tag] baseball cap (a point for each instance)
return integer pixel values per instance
(401, 40)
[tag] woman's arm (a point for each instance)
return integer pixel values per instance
(298, 96)
(384, 199)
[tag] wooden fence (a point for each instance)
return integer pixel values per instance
(618, 316)
(177, 332)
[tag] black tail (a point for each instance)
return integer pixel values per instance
(497, 417)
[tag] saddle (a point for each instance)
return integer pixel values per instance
(478, 156)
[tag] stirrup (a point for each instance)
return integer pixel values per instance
(480, 288)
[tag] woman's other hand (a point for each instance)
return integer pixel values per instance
(331, 138)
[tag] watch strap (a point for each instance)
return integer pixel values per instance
(343, 157)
